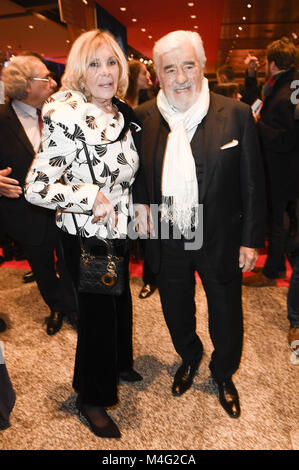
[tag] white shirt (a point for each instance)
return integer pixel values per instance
(28, 117)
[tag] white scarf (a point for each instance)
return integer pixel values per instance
(179, 181)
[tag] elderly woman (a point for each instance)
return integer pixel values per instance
(85, 115)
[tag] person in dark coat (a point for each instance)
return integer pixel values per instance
(28, 84)
(279, 135)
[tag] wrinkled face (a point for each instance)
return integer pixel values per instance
(181, 76)
(144, 78)
(39, 90)
(101, 79)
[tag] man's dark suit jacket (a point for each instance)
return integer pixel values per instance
(279, 132)
(232, 191)
(24, 222)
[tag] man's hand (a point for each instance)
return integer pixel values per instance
(8, 186)
(143, 220)
(252, 63)
(247, 258)
(103, 211)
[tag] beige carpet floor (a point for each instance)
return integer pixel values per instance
(41, 367)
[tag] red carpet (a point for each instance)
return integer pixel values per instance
(136, 268)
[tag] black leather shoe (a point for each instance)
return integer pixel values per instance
(54, 323)
(130, 376)
(229, 398)
(3, 325)
(110, 430)
(184, 376)
(147, 290)
(28, 277)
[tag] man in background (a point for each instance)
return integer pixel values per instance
(28, 84)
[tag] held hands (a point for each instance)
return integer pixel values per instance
(247, 258)
(103, 211)
(8, 186)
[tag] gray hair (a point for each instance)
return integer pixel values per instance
(16, 75)
(175, 39)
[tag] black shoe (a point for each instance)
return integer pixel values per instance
(130, 376)
(147, 290)
(110, 430)
(229, 398)
(72, 319)
(3, 325)
(54, 323)
(28, 277)
(184, 376)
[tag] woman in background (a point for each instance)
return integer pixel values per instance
(139, 79)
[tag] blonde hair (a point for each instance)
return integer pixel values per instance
(16, 75)
(81, 53)
(173, 40)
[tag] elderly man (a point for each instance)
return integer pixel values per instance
(28, 84)
(199, 147)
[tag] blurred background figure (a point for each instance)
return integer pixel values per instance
(229, 89)
(139, 79)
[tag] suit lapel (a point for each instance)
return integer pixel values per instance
(155, 133)
(211, 139)
(18, 129)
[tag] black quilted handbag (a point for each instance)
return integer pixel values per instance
(100, 273)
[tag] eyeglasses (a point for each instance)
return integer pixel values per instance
(47, 79)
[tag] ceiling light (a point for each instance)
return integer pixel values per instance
(244, 18)
(237, 35)
(295, 36)
(9, 47)
(192, 16)
(248, 5)
(190, 4)
(150, 37)
(240, 28)
(123, 8)
(67, 41)
(85, 1)
(31, 26)
(195, 27)
(143, 30)
(134, 20)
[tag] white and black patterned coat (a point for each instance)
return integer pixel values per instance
(59, 177)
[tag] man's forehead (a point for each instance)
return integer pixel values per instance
(40, 67)
(183, 53)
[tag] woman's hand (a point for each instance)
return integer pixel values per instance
(103, 211)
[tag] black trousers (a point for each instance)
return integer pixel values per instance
(176, 283)
(58, 293)
(275, 262)
(104, 346)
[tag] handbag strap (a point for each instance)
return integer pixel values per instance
(108, 244)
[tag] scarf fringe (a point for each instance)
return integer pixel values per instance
(183, 216)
